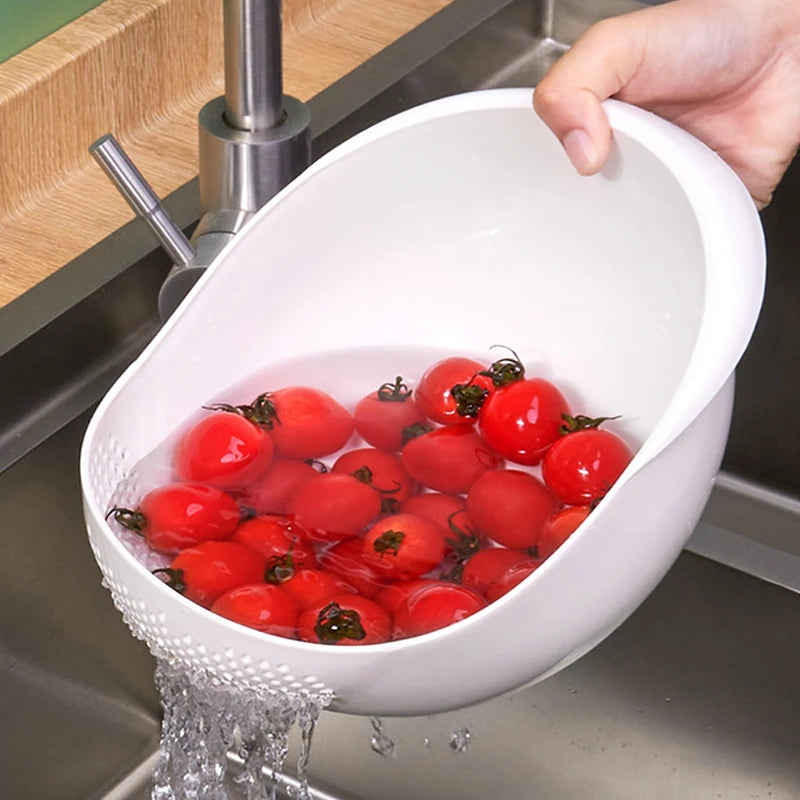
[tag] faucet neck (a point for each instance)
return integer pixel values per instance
(253, 64)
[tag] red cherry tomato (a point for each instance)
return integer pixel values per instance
(391, 597)
(434, 393)
(486, 566)
(382, 471)
(308, 423)
(521, 420)
(560, 527)
(436, 507)
(204, 572)
(512, 577)
(380, 417)
(433, 607)
(462, 535)
(280, 541)
(345, 619)
(263, 606)
(224, 450)
(346, 560)
(582, 466)
(270, 492)
(334, 506)
(310, 587)
(449, 459)
(511, 507)
(180, 515)
(404, 546)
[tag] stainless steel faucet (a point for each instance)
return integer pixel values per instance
(254, 140)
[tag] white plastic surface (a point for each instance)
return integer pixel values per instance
(457, 225)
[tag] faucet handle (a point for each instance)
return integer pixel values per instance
(140, 196)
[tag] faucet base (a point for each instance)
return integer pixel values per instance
(208, 245)
(241, 170)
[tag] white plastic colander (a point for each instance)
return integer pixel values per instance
(449, 228)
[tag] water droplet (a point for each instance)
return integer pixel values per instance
(426, 741)
(667, 699)
(460, 739)
(639, 710)
(379, 741)
(572, 690)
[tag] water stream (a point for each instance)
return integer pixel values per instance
(206, 723)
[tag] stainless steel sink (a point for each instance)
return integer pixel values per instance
(695, 696)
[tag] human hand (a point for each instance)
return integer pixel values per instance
(727, 71)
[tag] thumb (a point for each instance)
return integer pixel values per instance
(569, 97)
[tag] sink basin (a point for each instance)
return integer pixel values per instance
(691, 698)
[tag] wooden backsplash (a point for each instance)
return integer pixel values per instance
(142, 69)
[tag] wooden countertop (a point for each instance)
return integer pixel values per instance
(142, 69)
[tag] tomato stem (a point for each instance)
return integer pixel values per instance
(261, 411)
(455, 575)
(413, 431)
(389, 542)
(174, 579)
(580, 422)
(364, 474)
(469, 398)
(389, 505)
(396, 392)
(280, 568)
(468, 542)
(505, 370)
(335, 623)
(134, 521)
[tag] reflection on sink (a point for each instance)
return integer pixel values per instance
(691, 698)
(78, 705)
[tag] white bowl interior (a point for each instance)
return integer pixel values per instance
(454, 234)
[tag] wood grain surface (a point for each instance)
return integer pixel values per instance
(142, 69)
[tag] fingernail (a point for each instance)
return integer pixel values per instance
(580, 150)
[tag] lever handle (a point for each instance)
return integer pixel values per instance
(141, 198)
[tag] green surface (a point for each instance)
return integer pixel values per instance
(24, 22)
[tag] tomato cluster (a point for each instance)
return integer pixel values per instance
(414, 523)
